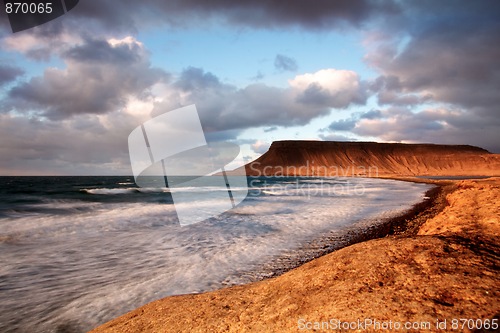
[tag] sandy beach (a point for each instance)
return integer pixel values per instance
(439, 266)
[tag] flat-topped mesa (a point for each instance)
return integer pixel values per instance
(372, 159)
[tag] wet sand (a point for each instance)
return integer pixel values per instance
(440, 262)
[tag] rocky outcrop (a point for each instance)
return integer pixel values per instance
(372, 159)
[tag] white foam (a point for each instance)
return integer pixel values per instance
(109, 190)
(127, 190)
(101, 218)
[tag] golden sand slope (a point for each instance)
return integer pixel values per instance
(450, 270)
(473, 207)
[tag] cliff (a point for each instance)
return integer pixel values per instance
(371, 159)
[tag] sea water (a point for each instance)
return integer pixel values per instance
(76, 252)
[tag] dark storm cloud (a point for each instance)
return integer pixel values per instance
(452, 56)
(284, 63)
(9, 74)
(441, 52)
(109, 18)
(98, 79)
(130, 16)
(321, 14)
(318, 15)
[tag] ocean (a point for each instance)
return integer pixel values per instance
(78, 251)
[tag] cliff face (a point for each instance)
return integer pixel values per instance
(371, 159)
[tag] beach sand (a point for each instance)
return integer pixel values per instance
(441, 264)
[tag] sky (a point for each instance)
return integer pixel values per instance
(73, 89)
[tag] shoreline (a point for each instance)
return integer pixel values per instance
(403, 228)
(333, 241)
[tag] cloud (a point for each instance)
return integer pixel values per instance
(437, 62)
(343, 125)
(224, 107)
(259, 76)
(9, 74)
(438, 77)
(75, 120)
(390, 92)
(284, 63)
(323, 14)
(330, 87)
(336, 137)
(435, 125)
(451, 58)
(76, 144)
(47, 40)
(195, 79)
(256, 13)
(99, 77)
(270, 129)
(127, 17)
(84, 144)
(260, 147)
(372, 114)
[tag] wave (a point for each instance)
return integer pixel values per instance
(127, 190)
(99, 218)
(110, 190)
